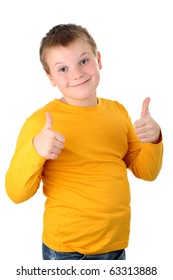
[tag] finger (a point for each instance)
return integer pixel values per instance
(146, 139)
(55, 150)
(49, 121)
(53, 153)
(58, 144)
(53, 156)
(59, 137)
(139, 123)
(140, 130)
(145, 108)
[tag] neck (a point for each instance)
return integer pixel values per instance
(80, 103)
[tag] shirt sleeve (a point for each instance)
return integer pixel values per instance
(143, 159)
(24, 174)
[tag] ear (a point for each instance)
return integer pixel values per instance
(99, 60)
(51, 80)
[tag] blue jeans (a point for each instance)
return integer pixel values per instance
(49, 254)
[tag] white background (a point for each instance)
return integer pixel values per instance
(135, 39)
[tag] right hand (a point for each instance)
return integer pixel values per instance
(146, 128)
(49, 143)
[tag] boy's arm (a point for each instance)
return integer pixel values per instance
(24, 174)
(37, 142)
(144, 160)
(145, 152)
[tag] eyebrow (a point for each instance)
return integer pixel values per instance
(79, 57)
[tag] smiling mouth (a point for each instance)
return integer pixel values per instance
(80, 84)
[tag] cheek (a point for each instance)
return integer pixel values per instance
(94, 69)
(95, 72)
(61, 82)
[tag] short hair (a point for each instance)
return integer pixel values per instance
(63, 35)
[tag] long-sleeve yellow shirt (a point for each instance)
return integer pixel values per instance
(87, 206)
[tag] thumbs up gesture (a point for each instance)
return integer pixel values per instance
(49, 143)
(146, 128)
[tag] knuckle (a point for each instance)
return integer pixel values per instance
(61, 145)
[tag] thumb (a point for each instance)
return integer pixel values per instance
(49, 121)
(145, 110)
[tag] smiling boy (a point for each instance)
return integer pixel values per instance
(80, 147)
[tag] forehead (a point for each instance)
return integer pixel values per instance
(75, 48)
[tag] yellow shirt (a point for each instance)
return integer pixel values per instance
(88, 197)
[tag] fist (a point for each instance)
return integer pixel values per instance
(146, 128)
(49, 143)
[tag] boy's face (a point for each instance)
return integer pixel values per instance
(75, 71)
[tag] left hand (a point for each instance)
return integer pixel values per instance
(146, 128)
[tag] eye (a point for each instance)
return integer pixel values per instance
(63, 69)
(84, 61)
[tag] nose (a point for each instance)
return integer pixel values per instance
(77, 74)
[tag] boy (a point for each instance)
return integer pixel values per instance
(80, 148)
